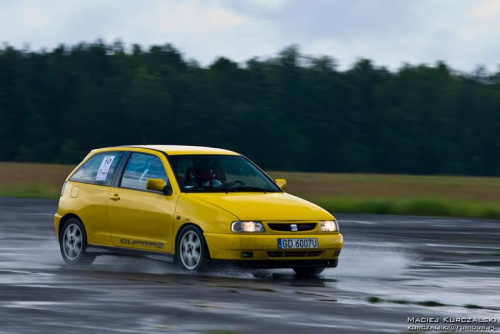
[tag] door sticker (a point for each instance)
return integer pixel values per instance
(102, 173)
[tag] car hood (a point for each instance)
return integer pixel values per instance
(265, 206)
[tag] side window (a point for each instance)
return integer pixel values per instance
(140, 168)
(98, 169)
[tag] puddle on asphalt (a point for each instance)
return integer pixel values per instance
(36, 305)
(366, 268)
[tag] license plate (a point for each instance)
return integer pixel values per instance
(297, 243)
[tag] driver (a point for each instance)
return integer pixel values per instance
(204, 174)
(203, 171)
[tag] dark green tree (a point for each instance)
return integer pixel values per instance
(291, 111)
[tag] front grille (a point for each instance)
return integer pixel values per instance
(287, 227)
(294, 253)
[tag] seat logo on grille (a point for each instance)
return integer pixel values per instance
(293, 227)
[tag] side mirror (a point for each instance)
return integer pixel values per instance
(281, 183)
(159, 185)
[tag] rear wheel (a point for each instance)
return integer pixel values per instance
(192, 251)
(308, 271)
(72, 242)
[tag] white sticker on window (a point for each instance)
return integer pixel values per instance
(102, 173)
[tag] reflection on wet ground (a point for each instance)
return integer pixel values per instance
(391, 268)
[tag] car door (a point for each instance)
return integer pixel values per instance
(140, 218)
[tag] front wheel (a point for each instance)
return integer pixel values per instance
(72, 242)
(192, 251)
(308, 271)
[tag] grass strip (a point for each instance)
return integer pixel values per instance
(453, 196)
(410, 206)
(49, 191)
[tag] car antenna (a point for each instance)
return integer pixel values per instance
(140, 131)
(142, 134)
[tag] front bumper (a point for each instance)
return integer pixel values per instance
(261, 250)
(57, 222)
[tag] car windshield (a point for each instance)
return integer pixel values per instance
(219, 173)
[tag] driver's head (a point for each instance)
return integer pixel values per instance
(203, 169)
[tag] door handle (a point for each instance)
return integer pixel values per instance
(114, 197)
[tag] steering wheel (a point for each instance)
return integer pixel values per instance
(230, 185)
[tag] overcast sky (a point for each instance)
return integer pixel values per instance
(463, 33)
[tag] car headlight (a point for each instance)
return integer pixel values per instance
(249, 226)
(329, 226)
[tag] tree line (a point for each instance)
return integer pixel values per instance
(286, 112)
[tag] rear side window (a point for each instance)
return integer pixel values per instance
(99, 169)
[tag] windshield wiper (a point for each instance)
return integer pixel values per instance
(203, 188)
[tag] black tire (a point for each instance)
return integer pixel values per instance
(191, 249)
(72, 243)
(308, 271)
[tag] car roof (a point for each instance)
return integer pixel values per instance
(173, 149)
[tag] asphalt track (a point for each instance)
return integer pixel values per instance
(391, 269)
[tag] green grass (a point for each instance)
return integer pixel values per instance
(31, 191)
(428, 303)
(431, 303)
(473, 306)
(374, 300)
(411, 206)
(454, 196)
(32, 180)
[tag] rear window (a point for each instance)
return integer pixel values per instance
(98, 169)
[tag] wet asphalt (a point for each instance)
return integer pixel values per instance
(392, 268)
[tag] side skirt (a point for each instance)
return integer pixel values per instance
(104, 250)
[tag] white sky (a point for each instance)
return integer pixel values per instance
(463, 33)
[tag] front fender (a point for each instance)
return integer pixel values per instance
(210, 218)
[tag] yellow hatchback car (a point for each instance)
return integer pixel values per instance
(194, 206)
